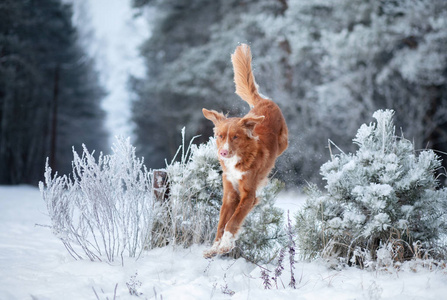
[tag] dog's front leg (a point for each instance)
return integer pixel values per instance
(230, 201)
(247, 201)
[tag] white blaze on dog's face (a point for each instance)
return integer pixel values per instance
(233, 135)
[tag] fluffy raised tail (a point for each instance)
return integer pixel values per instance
(246, 86)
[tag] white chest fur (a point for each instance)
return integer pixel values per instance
(232, 173)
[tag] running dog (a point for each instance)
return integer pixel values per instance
(247, 148)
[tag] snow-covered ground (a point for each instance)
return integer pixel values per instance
(35, 265)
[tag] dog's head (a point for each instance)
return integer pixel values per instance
(234, 136)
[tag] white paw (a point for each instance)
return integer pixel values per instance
(212, 251)
(227, 242)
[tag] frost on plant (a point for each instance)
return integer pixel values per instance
(262, 234)
(105, 208)
(385, 194)
(110, 207)
(194, 195)
(134, 285)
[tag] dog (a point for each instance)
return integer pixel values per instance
(247, 149)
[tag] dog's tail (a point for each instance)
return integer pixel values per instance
(246, 86)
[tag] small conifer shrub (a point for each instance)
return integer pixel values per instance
(195, 198)
(384, 196)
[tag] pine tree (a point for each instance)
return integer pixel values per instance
(49, 91)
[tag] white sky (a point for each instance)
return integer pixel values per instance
(112, 36)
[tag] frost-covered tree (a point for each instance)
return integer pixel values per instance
(329, 64)
(349, 58)
(384, 193)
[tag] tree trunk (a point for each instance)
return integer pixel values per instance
(53, 139)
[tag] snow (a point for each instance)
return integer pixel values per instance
(290, 201)
(35, 265)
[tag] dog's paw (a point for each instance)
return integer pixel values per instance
(227, 243)
(212, 251)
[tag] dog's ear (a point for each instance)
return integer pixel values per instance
(249, 122)
(213, 116)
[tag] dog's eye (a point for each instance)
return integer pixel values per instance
(220, 136)
(235, 137)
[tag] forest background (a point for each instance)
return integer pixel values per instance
(328, 64)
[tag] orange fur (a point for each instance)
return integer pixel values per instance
(247, 150)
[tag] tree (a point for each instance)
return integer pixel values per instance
(328, 64)
(49, 92)
(367, 55)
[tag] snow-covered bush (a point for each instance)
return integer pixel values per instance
(110, 207)
(263, 234)
(385, 196)
(105, 207)
(195, 197)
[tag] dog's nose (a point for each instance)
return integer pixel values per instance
(223, 153)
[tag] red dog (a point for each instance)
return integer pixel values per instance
(247, 148)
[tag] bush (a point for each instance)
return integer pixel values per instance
(263, 235)
(384, 196)
(195, 197)
(110, 206)
(105, 208)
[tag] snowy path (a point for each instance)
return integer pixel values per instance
(35, 265)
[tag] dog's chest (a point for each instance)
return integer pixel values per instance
(232, 173)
